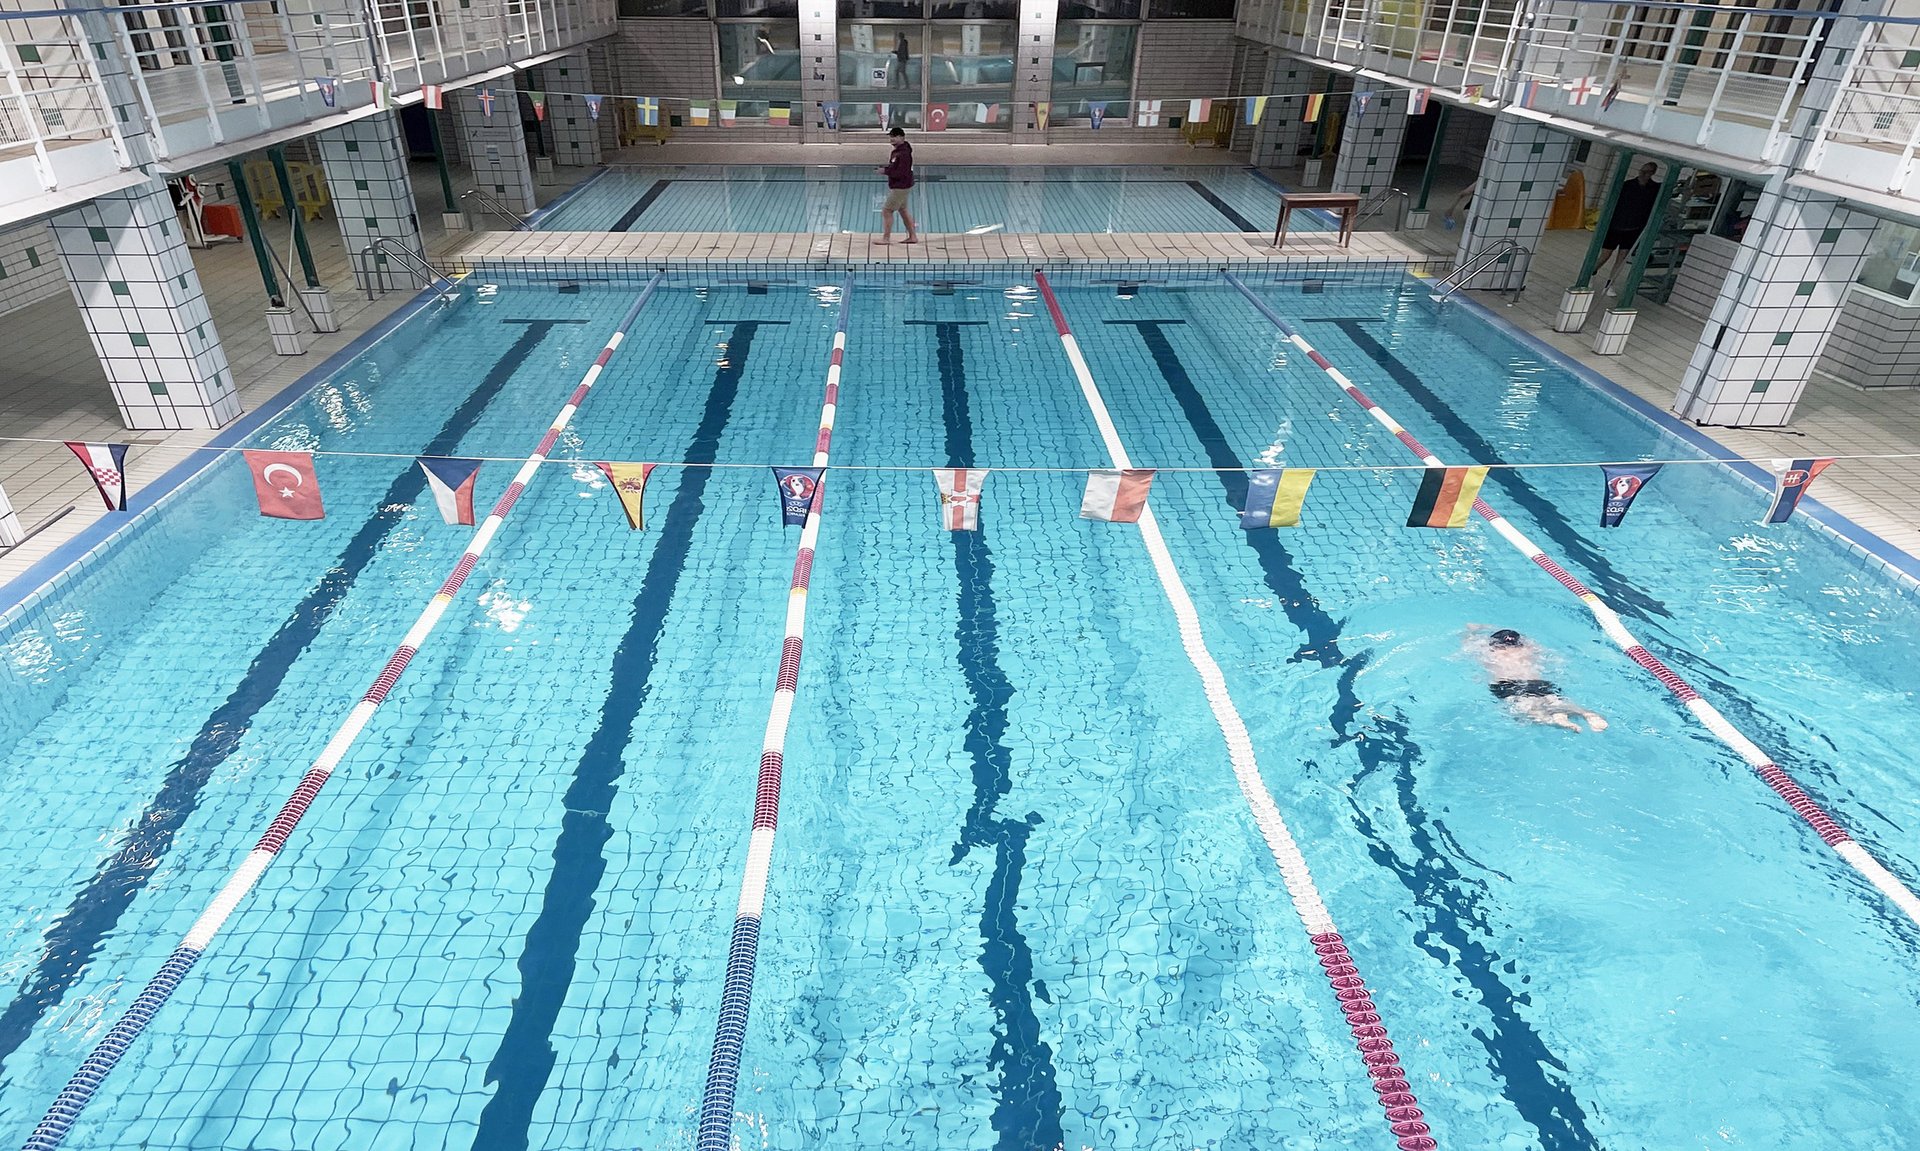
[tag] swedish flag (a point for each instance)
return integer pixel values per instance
(649, 109)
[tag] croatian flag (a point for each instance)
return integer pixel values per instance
(1795, 476)
(329, 89)
(433, 97)
(799, 490)
(960, 497)
(1116, 496)
(452, 484)
(593, 105)
(106, 463)
(1623, 483)
(285, 485)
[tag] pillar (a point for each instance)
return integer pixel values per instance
(12, 532)
(132, 274)
(1775, 310)
(1370, 143)
(576, 135)
(366, 166)
(1033, 69)
(496, 151)
(820, 70)
(1514, 194)
(1280, 135)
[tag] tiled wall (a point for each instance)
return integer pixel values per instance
(29, 267)
(1709, 259)
(366, 166)
(1370, 143)
(576, 135)
(1280, 139)
(1875, 342)
(1514, 194)
(496, 151)
(1184, 60)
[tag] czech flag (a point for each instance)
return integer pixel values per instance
(452, 484)
(960, 497)
(285, 485)
(630, 484)
(1274, 497)
(1446, 497)
(1795, 476)
(799, 490)
(1116, 496)
(106, 463)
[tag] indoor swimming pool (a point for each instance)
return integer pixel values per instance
(1019, 899)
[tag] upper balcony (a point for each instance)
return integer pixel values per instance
(1867, 144)
(88, 93)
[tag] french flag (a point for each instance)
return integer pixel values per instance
(1116, 496)
(452, 484)
(107, 464)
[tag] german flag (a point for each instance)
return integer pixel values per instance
(1446, 497)
(1310, 111)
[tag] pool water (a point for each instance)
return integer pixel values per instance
(1017, 900)
(946, 200)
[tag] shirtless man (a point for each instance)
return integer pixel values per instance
(1513, 662)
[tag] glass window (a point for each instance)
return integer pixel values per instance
(1190, 9)
(1893, 260)
(976, 9)
(880, 9)
(1100, 9)
(663, 7)
(1092, 62)
(880, 63)
(760, 61)
(970, 69)
(760, 8)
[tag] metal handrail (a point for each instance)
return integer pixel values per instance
(406, 257)
(293, 289)
(1377, 203)
(1475, 265)
(492, 204)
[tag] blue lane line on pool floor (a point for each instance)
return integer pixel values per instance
(1225, 209)
(633, 214)
(1516, 1053)
(523, 1063)
(74, 938)
(1028, 1105)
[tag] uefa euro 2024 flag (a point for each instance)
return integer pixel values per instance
(452, 483)
(107, 464)
(1624, 483)
(799, 491)
(1116, 496)
(285, 485)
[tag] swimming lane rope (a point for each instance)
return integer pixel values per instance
(736, 994)
(93, 1071)
(1783, 785)
(1356, 1002)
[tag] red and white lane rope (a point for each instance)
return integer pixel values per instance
(736, 995)
(1389, 1079)
(94, 1069)
(1709, 716)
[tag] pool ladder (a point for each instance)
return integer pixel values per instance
(1502, 251)
(1377, 204)
(492, 203)
(414, 262)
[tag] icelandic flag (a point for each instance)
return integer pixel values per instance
(539, 104)
(830, 111)
(1417, 101)
(630, 484)
(1623, 483)
(960, 497)
(452, 484)
(106, 463)
(1147, 114)
(1116, 496)
(329, 89)
(486, 102)
(648, 109)
(593, 100)
(433, 97)
(1792, 483)
(799, 492)
(285, 485)
(1274, 497)
(1256, 108)
(1096, 112)
(936, 117)
(1199, 111)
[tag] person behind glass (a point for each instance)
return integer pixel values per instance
(899, 173)
(902, 54)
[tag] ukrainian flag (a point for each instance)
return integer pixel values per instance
(1274, 497)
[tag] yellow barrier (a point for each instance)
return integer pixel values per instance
(309, 188)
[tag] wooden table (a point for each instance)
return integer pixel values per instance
(1346, 203)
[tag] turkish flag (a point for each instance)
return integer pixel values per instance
(936, 117)
(286, 485)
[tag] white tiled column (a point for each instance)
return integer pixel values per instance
(1370, 143)
(819, 68)
(1279, 136)
(11, 530)
(1518, 179)
(1033, 68)
(576, 135)
(496, 152)
(133, 277)
(366, 166)
(1775, 310)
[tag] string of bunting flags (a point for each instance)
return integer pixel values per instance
(286, 485)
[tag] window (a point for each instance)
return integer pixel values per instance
(762, 9)
(1893, 260)
(1092, 62)
(970, 69)
(759, 63)
(1190, 9)
(880, 63)
(663, 8)
(976, 10)
(881, 10)
(1100, 9)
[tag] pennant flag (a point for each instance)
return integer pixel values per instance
(1116, 497)
(630, 484)
(1256, 108)
(1446, 497)
(1310, 111)
(539, 104)
(382, 94)
(1147, 114)
(1613, 93)
(1417, 101)
(1274, 497)
(648, 108)
(1041, 109)
(886, 115)
(1199, 111)
(960, 497)
(799, 490)
(1096, 113)
(729, 113)
(329, 89)
(1582, 90)
(1623, 483)
(452, 484)
(1524, 94)
(989, 113)
(1360, 102)
(780, 113)
(106, 463)
(433, 97)
(936, 117)
(486, 102)
(831, 111)
(1472, 91)
(697, 113)
(1792, 483)
(285, 485)
(593, 100)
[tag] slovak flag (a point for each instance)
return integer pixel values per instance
(936, 117)
(452, 484)
(960, 497)
(1795, 477)
(799, 488)
(329, 89)
(285, 484)
(432, 96)
(106, 463)
(1116, 496)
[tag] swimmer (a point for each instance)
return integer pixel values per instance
(1514, 663)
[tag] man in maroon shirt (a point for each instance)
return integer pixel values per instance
(899, 172)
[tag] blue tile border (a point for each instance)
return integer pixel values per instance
(1894, 559)
(46, 571)
(533, 221)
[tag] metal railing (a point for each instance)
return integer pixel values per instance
(1502, 251)
(493, 204)
(1377, 203)
(414, 262)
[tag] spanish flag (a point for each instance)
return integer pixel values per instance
(1310, 111)
(1446, 497)
(1274, 497)
(630, 484)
